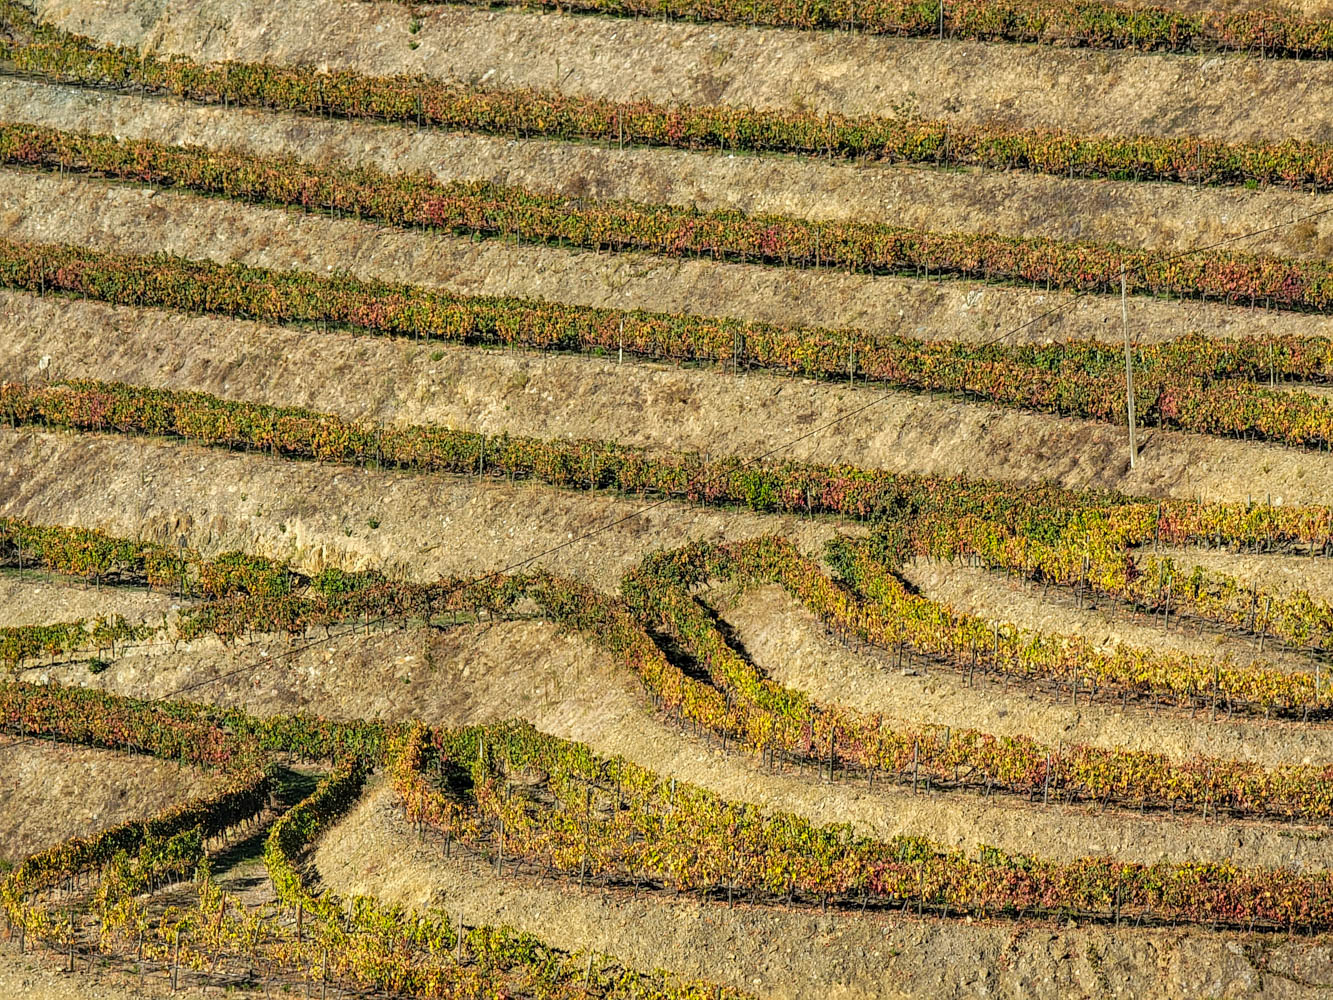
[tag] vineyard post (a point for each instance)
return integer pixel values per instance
(175, 960)
(941, 20)
(587, 834)
(180, 542)
(1129, 362)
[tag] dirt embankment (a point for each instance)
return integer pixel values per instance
(1277, 574)
(798, 953)
(1105, 623)
(791, 646)
(1232, 97)
(50, 792)
(50, 209)
(410, 526)
(1170, 217)
(38, 598)
(490, 672)
(654, 406)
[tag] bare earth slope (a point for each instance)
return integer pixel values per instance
(705, 410)
(50, 792)
(422, 527)
(802, 953)
(1123, 92)
(1017, 203)
(135, 219)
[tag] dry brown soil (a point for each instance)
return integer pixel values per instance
(1274, 573)
(137, 220)
(1162, 216)
(791, 646)
(424, 526)
(490, 672)
(126, 218)
(1232, 97)
(1106, 623)
(801, 953)
(407, 525)
(50, 792)
(59, 600)
(41, 976)
(703, 410)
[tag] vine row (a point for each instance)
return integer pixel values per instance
(1099, 24)
(1193, 383)
(493, 210)
(51, 54)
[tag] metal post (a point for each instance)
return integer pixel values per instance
(1129, 370)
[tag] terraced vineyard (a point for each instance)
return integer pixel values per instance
(610, 499)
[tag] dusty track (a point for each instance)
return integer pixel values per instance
(1228, 97)
(801, 953)
(1170, 217)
